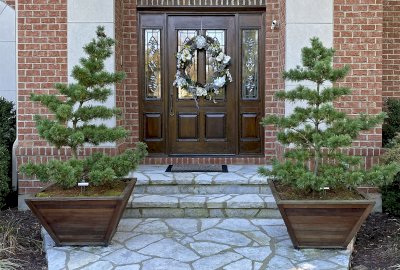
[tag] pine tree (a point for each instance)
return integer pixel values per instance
(316, 134)
(72, 125)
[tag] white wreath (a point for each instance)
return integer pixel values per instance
(219, 63)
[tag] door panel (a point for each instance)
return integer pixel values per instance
(215, 127)
(188, 127)
(153, 127)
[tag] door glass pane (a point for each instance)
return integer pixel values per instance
(152, 62)
(218, 35)
(250, 64)
(183, 37)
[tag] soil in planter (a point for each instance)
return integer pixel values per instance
(287, 192)
(92, 191)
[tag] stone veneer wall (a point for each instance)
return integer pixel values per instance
(358, 36)
(391, 49)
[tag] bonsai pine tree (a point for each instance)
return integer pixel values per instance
(72, 125)
(316, 134)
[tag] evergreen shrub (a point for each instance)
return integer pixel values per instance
(391, 192)
(315, 134)
(75, 109)
(7, 138)
(391, 125)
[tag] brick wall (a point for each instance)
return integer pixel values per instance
(42, 62)
(358, 26)
(391, 49)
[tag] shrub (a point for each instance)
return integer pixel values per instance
(73, 126)
(391, 192)
(7, 123)
(316, 133)
(4, 172)
(7, 138)
(391, 125)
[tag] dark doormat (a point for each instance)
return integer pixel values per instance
(197, 168)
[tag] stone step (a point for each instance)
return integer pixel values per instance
(201, 189)
(241, 179)
(208, 205)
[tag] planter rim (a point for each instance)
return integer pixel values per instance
(130, 181)
(322, 202)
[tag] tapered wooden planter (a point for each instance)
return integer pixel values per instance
(81, 220)
(322, 223)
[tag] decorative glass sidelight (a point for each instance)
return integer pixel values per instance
(218, 35)
(250, 64)
(183, 37)
(152, 63)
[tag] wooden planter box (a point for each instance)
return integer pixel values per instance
(322, 223)
(81, 221)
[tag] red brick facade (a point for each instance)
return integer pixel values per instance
(42, 61)
(391, 49)
(358, 37)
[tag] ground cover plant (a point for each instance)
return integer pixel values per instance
(75, 109)
(317, 132)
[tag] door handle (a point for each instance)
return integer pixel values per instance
(171, 103)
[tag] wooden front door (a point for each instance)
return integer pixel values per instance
(210, 128)
(171, 121)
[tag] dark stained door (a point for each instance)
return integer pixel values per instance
(210, 128)
(170, 121)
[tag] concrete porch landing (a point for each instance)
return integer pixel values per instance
(196, 244)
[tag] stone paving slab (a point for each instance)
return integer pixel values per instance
(196, 244)
(202, 201)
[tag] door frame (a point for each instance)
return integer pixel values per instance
(200, 11)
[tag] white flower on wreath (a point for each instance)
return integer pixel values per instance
(220, 81)
(201, 91)
(200, 42)
(229, 75)
(226, 60)
(180, 82)
(223, 58)
(220, 57)
(185, 55)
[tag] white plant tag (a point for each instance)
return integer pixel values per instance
(83, 184)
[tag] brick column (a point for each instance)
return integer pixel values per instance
(274, 67)
(42, 62)
(358, 26)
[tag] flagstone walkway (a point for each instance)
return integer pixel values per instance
(196, 244)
